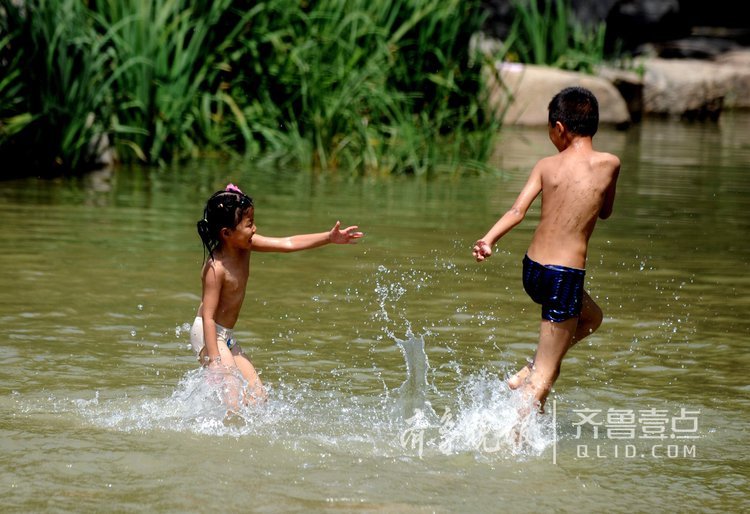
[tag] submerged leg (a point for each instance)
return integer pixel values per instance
(255, 391)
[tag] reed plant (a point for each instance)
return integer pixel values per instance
(175, 47)
(545, 32)
(368, 87)
(55, 92)
(13, 117)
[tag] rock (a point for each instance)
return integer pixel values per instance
(686, 88)
(630, 86)
(738, 64)
(695, 48)
(694, 89)
(522, 93)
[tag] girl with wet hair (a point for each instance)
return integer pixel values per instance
(223, 210)
(229, 236)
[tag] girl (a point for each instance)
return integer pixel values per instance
(228, 233)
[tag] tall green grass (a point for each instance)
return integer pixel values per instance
(354, 85)
(377, 87)
(546, 32)
(175, 45)
(55, 91)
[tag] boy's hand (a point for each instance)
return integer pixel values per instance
(346, 236)
(481, 250)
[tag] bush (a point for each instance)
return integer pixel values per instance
(552, 36)
(372, 87)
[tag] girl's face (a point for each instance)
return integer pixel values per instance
(242, 235)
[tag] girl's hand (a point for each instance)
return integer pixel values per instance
(346, 236)
(481, 250)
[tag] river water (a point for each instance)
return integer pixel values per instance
(385, 360)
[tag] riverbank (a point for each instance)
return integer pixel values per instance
(690, 89)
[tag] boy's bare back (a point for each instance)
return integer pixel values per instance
(577, 186)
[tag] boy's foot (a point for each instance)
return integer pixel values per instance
(519, 378)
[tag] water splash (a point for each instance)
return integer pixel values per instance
(411, 396)
(482, 416)
(488, 418)
(491, 418)
(197, 405)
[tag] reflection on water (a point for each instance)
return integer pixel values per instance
(385, 360)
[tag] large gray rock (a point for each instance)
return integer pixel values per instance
(522, 93)
(696, 88)
(685, 88)
(738, 94)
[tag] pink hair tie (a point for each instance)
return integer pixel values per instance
(233, 189)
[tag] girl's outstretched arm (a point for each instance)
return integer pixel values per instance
(336, 235)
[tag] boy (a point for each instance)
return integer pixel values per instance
(577, 186)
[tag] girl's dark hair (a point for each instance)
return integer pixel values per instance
(223, 210)
(577, 109)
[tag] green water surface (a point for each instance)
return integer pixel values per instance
(100, 280)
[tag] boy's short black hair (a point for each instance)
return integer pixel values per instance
(577, 109)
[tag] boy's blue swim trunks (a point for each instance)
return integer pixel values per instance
(558, 289)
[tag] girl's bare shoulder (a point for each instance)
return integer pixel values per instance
(214, 266)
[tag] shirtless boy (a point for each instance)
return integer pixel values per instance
(577, 186)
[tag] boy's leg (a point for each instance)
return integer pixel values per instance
(254, 385)
(589, 320)
(555, 339)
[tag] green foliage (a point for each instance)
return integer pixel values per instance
(360, 85)
(173, 46)
(373, 87)
(550, 35)
(54, 102)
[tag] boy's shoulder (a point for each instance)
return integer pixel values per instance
(609, 161)
(606, 155)
(596, 158)
(563, 164)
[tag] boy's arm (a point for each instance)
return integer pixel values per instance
(349, 235)
(483, 247)
(609, 195)
(211, 292)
